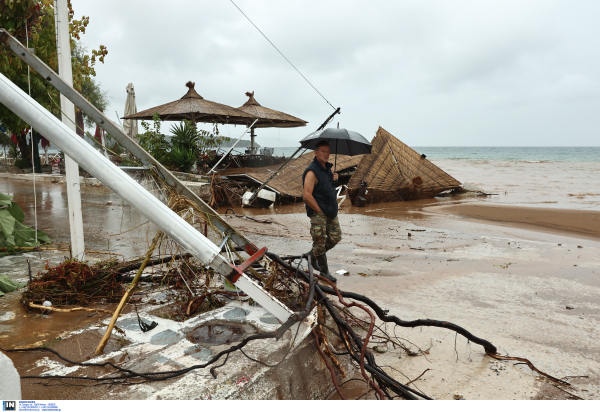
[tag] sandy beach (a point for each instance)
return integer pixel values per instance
(507, 273)
(578, 222)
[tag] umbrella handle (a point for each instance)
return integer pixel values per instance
(335, 162)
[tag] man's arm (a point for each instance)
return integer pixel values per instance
(309, 185)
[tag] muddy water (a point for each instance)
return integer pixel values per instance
(102, 222)
(104, 227)
(566, 185)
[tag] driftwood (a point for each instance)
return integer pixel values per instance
(128, 292)
(77, 309)
(158, 261)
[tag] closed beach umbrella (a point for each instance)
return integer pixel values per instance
(341, 141)
(130, 125)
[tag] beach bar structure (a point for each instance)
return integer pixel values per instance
(288, 181)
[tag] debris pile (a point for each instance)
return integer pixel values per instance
(75, 283)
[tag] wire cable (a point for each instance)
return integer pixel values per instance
(32, 140)
(282, 55)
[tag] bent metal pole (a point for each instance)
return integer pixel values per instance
(134, 194)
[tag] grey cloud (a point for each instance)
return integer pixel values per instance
(433, 73)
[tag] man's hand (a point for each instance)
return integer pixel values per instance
(335, 177)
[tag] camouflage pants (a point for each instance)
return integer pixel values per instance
(325, 232)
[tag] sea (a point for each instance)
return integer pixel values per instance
(524, 154)
(550, 177)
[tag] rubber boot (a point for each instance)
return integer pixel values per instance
(313, 260)
(322, 262)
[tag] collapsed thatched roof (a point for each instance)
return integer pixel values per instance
(194, 107)
(269, 117)
(393, 171)
(288, 182)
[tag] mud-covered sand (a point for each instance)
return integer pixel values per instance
(580, 222)
(506, 284)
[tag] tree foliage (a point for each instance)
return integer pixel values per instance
(154, 141)
(32, 23)
(186, 146)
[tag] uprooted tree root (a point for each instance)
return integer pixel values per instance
(312, 293)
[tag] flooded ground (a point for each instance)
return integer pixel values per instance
(105, 216)
(506, 284)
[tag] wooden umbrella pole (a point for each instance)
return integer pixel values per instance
(128, 292)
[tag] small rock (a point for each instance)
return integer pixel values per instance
(409, 235)
(457, 396)
(570, 307)
(380, 349)
(109, 202)
(580, 247)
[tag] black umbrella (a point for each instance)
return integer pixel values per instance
(341, 141)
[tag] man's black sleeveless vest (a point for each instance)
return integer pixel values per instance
(324, 191)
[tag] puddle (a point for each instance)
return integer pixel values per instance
(219, 333)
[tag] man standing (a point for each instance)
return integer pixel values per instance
(321, 206)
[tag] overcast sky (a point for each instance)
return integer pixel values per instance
(433, 73)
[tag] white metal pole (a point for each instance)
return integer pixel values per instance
(231, 148)
(63, 44)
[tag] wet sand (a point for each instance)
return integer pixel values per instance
(583, 222)
(508, 285)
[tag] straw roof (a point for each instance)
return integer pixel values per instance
(289, 180)
(194, 107)
(393, 171)
(269, 117)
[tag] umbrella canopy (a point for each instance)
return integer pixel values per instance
(341, 141)
(269, 117)
(129, 125)
(194, 107)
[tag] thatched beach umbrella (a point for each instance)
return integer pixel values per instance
(268, 117)
(195, 108)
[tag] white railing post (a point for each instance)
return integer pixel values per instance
(63, 44)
